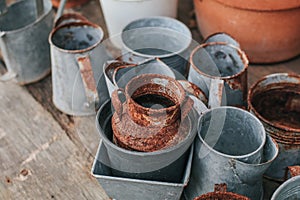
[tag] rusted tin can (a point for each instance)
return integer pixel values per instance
(167, 165)
(275, 100)
(291, 188)
(76, 54)
(153, 116)
(24, 29)
(130, 188)
(221, 193)
(220, 62)
(238, 158)
(160, 37)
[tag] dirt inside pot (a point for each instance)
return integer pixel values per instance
(154, 101)
(279, 105)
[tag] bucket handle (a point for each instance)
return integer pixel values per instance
(69, 17)
(88, 80)
(116, 102)
(3, 8)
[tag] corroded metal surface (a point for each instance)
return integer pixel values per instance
(77, 53)
(153, 115)
(220, 61)
(221, 193)
(275, 101)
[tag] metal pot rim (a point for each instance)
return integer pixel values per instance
(47, 12)
(242, 54)
(83, 23)
(252, 109)
(230, 156)
(165, 55)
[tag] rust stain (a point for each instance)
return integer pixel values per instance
(153, 115)
(87, 73)
(294, 170)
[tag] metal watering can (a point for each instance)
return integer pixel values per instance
(24, 30)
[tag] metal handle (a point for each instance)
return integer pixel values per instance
(216, 91)
(89, 83)
(69, 17)
(60, 9)
(186, 107)
(39, 7)
(116, 102)
(3, 8)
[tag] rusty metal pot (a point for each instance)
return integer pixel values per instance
(221, 193)
(153, 115)
(268, 30)
(275, 100)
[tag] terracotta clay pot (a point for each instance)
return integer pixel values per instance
(70, 3)
(268, 30)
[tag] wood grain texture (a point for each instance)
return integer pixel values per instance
(38, 160)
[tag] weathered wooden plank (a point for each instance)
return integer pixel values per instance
(37, 159)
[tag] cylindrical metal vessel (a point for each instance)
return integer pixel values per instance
(23, 40)
(161, 37)
(275, 100)
(220, 61)
(77, 59)
(229, 153)
(163, 165)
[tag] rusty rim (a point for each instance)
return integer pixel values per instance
(252, 109)
(225, 78)
(180, 100)
(76, 24)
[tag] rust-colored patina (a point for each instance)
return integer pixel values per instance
(154, 115)
(221, 193)
(294, 171)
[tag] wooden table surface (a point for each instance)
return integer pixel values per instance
(45, 154)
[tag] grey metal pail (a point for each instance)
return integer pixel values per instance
(24, 30)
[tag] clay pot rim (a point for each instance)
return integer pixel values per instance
(252, 109)
(192, 134)
(180, 100)
(262, 5)
(261, 146)
(242, 54)
(83, 23)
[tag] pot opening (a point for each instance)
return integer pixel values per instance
(279, 104)
(76, 36)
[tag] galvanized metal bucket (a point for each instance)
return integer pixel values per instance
(221, 37)
(214, 163)
(77, 56)
(129, 188)
(223, 63)
(164, 165)
(289, 189)
(161, 37)
(275, 100)
(24, 29)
